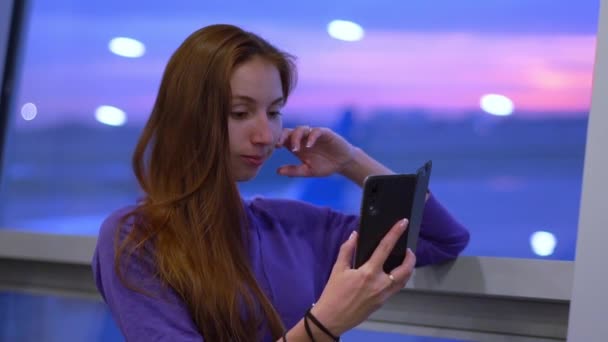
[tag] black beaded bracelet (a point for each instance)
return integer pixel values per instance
(308, 330)
(319, 325)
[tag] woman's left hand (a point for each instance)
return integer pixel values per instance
(321, 151)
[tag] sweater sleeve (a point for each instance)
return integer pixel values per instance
(157, 314)
(441, 237)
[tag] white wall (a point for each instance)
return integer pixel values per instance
(589, 307)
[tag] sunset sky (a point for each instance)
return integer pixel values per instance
(441, 56)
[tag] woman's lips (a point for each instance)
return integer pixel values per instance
(253, 160)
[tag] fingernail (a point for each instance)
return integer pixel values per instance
(295, 149)
(308, 144)
(404, 223)
(352, 234)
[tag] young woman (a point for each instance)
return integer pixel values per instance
(193, 260)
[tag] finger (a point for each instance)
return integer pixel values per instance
(301, 170)
(347, 250)
(284, 134)
(403, 272)
(315, 133)
(296, 137)
(386, 244)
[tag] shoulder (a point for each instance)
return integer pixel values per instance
(137, 291)
(112, 232)
(118, 219)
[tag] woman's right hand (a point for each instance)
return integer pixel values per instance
(351, 295)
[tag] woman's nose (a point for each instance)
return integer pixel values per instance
(263, 133)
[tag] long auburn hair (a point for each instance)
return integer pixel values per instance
(192, 213)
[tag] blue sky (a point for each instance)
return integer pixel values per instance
(503, 16)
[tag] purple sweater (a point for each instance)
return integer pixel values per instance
(293, 246)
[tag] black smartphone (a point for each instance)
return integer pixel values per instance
(386, 199)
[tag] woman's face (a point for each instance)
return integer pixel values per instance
(254, 125)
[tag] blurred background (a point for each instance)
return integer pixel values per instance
(495, 93)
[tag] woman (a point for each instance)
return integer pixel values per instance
(193, 260)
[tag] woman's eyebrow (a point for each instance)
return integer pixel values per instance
(252, 100)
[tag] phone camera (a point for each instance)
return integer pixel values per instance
(373, 210)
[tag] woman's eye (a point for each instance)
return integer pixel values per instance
(239, 115)
(274, 114)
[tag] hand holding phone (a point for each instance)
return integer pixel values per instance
(387, 199)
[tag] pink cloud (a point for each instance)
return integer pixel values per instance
(438, 70)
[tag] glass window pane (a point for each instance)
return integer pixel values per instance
(496, 95)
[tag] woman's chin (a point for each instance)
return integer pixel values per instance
(246, 176)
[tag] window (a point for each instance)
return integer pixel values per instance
(496, 95)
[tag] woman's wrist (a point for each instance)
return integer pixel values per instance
(299, 333)
(311, 317)
(328, 320)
